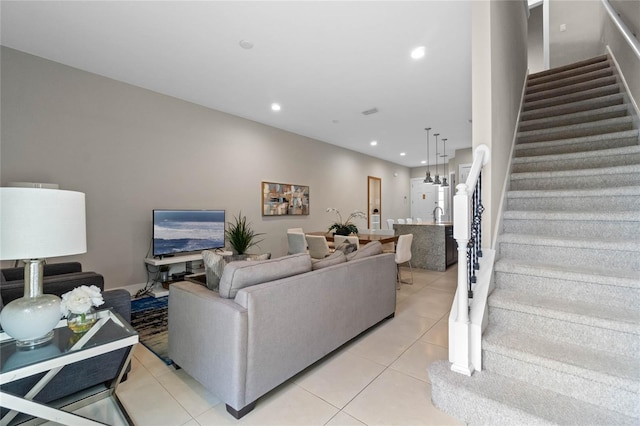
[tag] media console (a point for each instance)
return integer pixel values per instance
(170, 260)
(187, 259)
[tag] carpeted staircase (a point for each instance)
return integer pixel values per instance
(563, 341)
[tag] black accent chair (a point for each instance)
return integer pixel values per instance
(60, 278)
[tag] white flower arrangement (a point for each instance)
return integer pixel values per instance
(80, 300)
(347, 227)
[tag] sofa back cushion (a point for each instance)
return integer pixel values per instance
(243, 274)
(13, 274)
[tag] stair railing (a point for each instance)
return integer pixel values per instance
(467, 230)
(626, 33)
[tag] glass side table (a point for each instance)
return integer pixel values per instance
(108, 334)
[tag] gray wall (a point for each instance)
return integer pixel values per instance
(582, 38)
(499, 68)
(132, 150)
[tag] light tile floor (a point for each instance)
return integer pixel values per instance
(380, 378)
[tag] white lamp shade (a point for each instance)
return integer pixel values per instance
(39, 223)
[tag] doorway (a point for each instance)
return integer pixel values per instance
(374, 197)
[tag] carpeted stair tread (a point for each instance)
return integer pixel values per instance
(586, 173)
(616, 252)
(572, 107)
(613, 287)
(629, 137)
(625, 150)
(594, 74)
(631, 244)
(617, 124)
(576, 193)
(600, 216)
(588, 224)
(602, 367)
(574, 160)
(612, 318)
(570, 87)
(568, 70)
(608, 276)
(575, 117)
(493, 399)
(573, 97)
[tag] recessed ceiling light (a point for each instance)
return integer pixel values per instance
(245, 44)
(418, 52)
(374, 143)
(423, 162)
(276, 107)
(402, 154)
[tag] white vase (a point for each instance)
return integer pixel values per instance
(31, 320)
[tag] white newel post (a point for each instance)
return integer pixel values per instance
(461, 327)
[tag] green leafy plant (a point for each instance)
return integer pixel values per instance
(240, 235)
(346, 227)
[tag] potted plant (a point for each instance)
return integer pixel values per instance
(164, 273)
(240, 235)
(347, 227)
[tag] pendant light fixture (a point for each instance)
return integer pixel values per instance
(445, 162)
(436, 181)
(428, 178)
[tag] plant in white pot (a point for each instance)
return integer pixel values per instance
(240, 235)
(346, 227)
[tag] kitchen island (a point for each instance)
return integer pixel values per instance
(433, 247)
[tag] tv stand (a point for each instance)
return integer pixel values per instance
(187, 259)
(166, 260)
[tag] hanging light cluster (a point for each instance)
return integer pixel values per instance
(436, 180)
(444, 162)
(428, 178)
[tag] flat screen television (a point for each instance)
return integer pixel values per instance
(181, 231)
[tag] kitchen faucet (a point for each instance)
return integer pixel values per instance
(436, 219)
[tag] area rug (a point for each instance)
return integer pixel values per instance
(150, 318)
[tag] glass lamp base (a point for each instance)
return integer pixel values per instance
(30, 320)
(35, 342)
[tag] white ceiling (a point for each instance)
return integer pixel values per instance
(324, 62)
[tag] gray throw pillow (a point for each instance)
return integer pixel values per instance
(347, 248)
(371, 249)
(213, 267)
(264, 256)
(335, 258)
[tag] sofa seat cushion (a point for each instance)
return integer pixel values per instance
(243, 274)
(334, 258)
(371, 249)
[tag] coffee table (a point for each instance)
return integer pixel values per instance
(108, 334)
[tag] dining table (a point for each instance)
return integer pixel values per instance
(362, 238)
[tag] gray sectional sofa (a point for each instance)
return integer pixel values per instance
(272, 319)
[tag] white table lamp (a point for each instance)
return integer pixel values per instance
(36, 224)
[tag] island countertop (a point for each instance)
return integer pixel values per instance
(433, 245)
